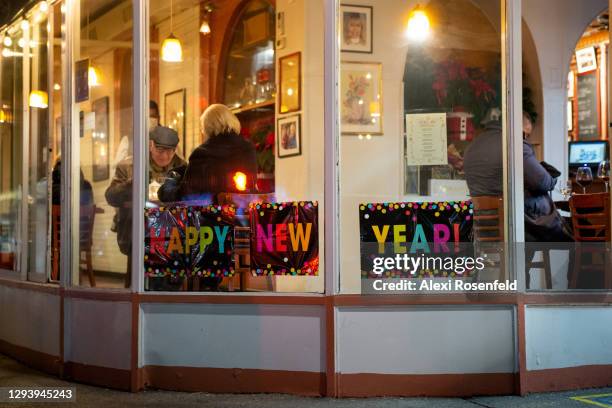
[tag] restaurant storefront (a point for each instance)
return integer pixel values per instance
(376, 239)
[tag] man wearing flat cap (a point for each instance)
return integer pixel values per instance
(162, 159)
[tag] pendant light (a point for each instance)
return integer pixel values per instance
(418, 25)
(171, 47)
(39, 99)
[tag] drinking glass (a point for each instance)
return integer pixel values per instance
(603, 172)
(565, 188)
(584, 177)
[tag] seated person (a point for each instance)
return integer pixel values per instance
(483, 166)
(162, 158)
(213, 164)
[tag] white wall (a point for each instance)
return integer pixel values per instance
(301, 177)
(98, 333)
(556, 27)
(272, 337)
(425, 340)
(567, 336)
(30, 319)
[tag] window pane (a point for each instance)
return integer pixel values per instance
(11, 133)
(38, 203)
(421, 144)
(257, 147)
(103, 92)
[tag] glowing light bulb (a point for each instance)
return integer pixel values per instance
(25, 25)
(7, 41)
(172, 51)
(240, 180)
(93, 77)
(39, 99)
(418, 26)
(21, 43)
(205, 27)
(44, 7)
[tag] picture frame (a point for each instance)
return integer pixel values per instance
(290, 80)
(571, 83)
(256, 29)
(99, 140)
(289, 136)
(175, 116)
(586, 60)
(361, 98)
(356, 28)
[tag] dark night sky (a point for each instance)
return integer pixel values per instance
(8, 8)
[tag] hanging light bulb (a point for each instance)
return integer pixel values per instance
(39, 99)
(93, 79)
(7, 41)
(171, 51)
(418, 26)
(205, 27)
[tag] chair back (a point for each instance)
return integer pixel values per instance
(488, 218)
(86, 224)
(591, 217)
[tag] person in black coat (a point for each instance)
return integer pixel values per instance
(213, 165)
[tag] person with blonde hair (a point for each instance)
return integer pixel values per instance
(213, 165)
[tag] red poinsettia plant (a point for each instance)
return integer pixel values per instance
(261, 133)
(458, 87)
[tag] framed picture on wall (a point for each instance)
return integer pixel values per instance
(586, 61)
(356, 28)
(290, 83)
(256, 29)
(361, 98)
(289, 136)
(174, 116)
(99, 139)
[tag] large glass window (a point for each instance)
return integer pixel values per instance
(421, 144)
(11, 145)
(102, 143)
(235, 146)
(38, 158)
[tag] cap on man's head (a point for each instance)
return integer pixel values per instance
(164, 137)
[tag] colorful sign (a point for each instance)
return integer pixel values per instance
(431, 228)
(189, 241)
(284, 238)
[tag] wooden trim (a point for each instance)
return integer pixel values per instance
(521, 347)
(98, 294)
(567, 298)
(134, 352)
(331, 386)
(53, 289)
(234, 380)
(430, 385)
(415, 300)
(571, 378)
(233, 299)
(37, 359)
(101, 376)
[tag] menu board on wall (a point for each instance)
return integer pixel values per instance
(426, 139)
(587, 97)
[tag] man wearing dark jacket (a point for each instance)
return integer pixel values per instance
(162, 158)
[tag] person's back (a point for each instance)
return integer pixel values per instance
(483, 162)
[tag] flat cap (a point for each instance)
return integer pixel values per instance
(164, 137)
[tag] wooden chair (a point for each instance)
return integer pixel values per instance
(242, 236)
(592, 233)
(489, 229)
(86, 225)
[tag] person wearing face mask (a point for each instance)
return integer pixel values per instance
(162, 158)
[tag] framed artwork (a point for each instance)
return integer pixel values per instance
(99, 139)
(256, 29)
(290, 79)
(361, 98)
(174, 116)
(356, 28)
(289, 136)
(81, 80)
(586, 60)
